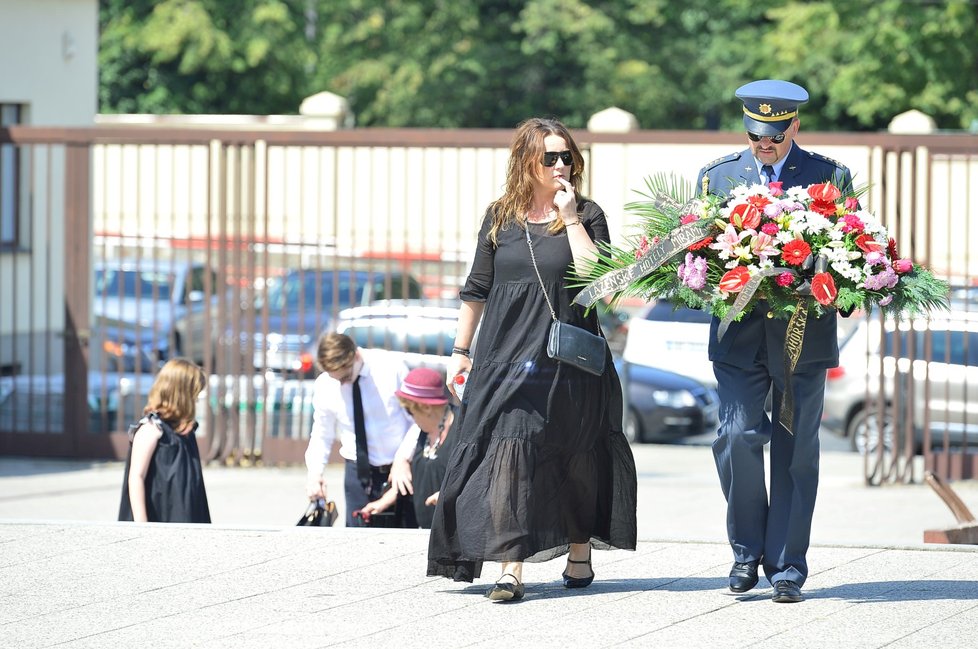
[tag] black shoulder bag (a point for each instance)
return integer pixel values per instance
(567, 343)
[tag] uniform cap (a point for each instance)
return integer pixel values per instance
(770, 105)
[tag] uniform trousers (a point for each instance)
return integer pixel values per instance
(773, 530)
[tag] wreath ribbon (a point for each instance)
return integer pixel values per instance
(677, 241)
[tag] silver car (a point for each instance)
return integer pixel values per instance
(890, 373)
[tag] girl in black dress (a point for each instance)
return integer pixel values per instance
(163, 480)
(541, 467)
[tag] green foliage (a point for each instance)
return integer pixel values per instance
(492, 63)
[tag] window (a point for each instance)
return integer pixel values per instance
(10, 114)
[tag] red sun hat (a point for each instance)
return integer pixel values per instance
(423, 385)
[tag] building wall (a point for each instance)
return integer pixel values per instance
(48, 67)
(49, 50)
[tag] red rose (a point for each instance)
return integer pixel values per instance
(775, 188)
(745, 216)
(795, 252)
(867, 243)
(823, 288)
(824, 192)
(735, 279)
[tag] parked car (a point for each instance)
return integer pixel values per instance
(422, 332)
(146, 311)
(662, 406)
(929, 366)
(661, 335)
(301, 304)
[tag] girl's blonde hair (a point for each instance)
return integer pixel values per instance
(174, 393)
(525, 154)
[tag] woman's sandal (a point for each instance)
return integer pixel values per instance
(503, 591)
(578, 582)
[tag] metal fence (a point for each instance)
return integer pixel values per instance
(220, 228)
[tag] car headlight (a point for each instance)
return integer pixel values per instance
(674, 398)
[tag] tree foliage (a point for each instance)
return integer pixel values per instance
(491, 63)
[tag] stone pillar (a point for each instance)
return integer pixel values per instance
(612, 120)
(912, 122)
(326, 111)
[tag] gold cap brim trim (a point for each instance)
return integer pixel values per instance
(770, 118)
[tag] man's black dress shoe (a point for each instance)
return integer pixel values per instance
(786, 592)
(743, 576)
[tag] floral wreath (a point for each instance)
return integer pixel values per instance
(805, 246)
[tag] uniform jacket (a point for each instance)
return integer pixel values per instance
(743, 339)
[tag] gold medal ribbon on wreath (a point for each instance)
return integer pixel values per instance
(677, 241)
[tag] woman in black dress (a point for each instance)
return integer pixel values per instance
(541, 467)
(163, 481)
(424, 396)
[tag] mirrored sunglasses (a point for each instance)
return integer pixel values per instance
(777, 139)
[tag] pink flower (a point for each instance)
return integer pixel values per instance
(763, 246)
(903, 266)
(688, 218)
(852, 223)
(770, 229)
(851, 204)
(643, 247)
(886, 300)
(775, 188)
(784, 279)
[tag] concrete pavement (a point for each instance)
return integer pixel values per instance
(70, 577)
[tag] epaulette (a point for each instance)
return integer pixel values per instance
(834, 163)
(719, 161)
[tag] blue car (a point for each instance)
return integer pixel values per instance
(661, 406)
(149, 310)
(301, 304)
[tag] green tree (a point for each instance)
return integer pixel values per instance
(867, 61)
(491, 63)
(203, 56)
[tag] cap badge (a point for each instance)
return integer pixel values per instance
(764, 109)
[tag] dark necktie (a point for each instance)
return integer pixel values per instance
(363, 461)
(768, 173)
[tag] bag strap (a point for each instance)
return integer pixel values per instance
(533, 258)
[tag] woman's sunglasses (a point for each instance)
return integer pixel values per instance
(777, 139)
(550, 158)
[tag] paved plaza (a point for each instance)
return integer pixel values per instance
(72, 577)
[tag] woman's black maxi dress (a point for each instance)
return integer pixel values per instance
(540, 460)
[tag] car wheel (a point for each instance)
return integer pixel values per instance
(863, 431)
(874, 440)
(633, 429)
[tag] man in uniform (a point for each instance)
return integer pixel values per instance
(772, 532)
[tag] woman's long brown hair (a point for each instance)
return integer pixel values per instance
(525, 154)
